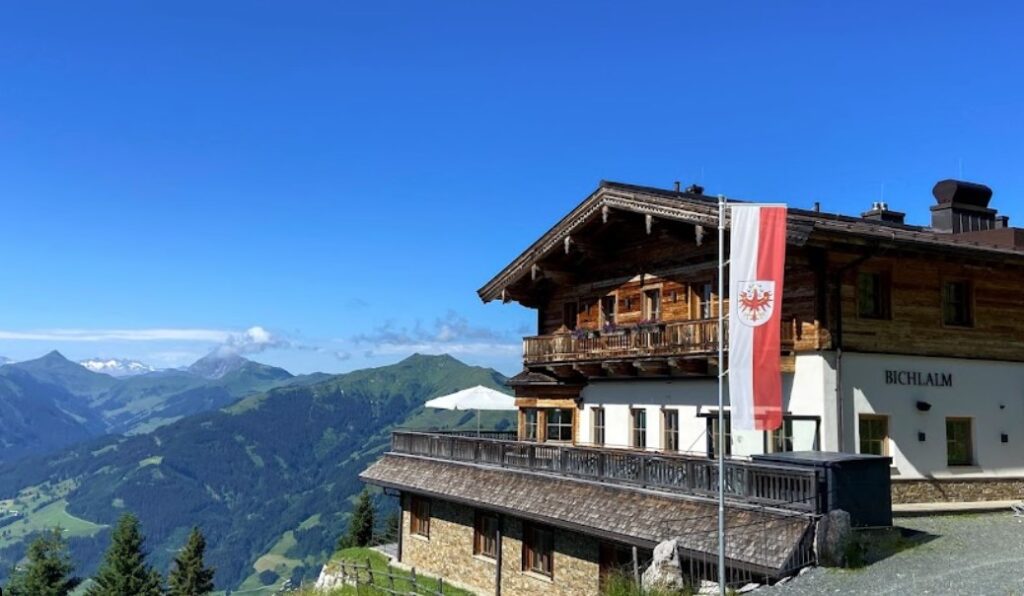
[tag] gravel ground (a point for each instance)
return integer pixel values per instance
(961, 554)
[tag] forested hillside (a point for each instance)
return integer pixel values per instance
(280, 463)
(50, 402)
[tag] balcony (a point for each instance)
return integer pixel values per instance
(770, 485)
(681, 348)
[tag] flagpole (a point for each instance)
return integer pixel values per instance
(721, 395)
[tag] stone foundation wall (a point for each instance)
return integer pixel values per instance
(957, 491)
(449, 553)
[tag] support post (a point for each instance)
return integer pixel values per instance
(721, 396)
(497, 570)
(636, 568)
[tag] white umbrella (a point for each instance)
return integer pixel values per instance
(475, 398)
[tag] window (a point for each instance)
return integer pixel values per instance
(956, 304)
(706, 296)
(597, 419)
(959, 445)
(712, 434)
(570, 310)
(485, 535)
(652, 305)
(608, 310)
(872, 295)
(530, 424)
(538, 550)
(874, 434)
(419, 520)
(559, 424)
(781, 440)
(671, 425)
(638, 417)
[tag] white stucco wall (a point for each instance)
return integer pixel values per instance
(990, 393)
(802, 395)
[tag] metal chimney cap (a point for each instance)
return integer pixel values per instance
(964, 193)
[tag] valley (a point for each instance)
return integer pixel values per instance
(269, 477)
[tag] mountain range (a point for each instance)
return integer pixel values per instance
(116, 367)
(269, 478)
(51, 402)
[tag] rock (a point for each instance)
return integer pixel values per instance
(833, 539)
(748, 588)
(707, 588)
(329, 579)
(665, 572)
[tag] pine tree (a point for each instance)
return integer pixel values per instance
(124, 570)
(360, 525)
(48, 571)
(191, 576)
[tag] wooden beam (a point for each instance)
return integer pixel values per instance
(648, 223)
(698, 232)
(589, 369)
(604, 214)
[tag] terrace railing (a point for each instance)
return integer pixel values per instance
(784, 487)
(680, 338)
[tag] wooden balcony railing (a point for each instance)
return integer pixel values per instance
(681, 338)
(779, 486)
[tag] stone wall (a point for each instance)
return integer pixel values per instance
(449, 553)
(957, 491)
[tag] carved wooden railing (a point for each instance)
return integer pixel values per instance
(785, 487)
(680, 338)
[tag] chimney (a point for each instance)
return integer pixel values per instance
(880, 212)
(963, 207)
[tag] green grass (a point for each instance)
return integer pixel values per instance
(49, 516)
(380, 565)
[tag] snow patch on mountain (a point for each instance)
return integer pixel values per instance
(117, 367)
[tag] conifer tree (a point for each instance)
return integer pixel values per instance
(48, 571)
(360, 525)
(191, 576)
(124, 570)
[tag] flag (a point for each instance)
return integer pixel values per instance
(756, 261)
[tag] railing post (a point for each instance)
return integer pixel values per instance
(531, 456)
(563, 459)
(643, 470)
(501, 454)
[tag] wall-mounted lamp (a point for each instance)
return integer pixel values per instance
(920, 436)
(923, 406)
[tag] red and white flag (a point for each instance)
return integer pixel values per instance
(756, 261)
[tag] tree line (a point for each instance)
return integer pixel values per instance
(124, 571)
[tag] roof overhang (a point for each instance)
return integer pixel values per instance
(701, 210)
(698, 210)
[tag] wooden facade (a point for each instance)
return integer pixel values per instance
(625, 286)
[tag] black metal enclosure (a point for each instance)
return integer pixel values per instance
(858, 484)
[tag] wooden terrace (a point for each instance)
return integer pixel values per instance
(769, 485)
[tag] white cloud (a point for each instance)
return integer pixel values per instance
(253, 340)
(452, 334)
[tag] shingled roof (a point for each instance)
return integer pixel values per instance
(698, 209)
(762, 540)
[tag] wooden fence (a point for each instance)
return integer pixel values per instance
(772, 485)
(368, 580)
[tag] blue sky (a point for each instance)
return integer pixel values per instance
(324, 185)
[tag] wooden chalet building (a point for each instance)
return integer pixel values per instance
(899, 341)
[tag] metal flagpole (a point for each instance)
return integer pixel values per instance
(721, 394)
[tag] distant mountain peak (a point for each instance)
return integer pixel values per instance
(216, 364)
(117, 367)
(53, 356)
(5, 360)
